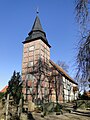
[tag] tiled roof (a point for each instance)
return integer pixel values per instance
(59, 69)
(4, 89)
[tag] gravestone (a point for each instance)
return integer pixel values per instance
(31, 106)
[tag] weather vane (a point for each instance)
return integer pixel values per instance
(37, 11)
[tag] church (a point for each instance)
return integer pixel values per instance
(44, 80)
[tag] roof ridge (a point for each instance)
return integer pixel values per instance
(61, 70)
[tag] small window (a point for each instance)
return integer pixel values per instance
(30, 76)
(27, 76)
(31, 48)
(63, 79)
(30, 64)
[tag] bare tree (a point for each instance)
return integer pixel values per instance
(63, 65)
(82, 11)
(83, 55)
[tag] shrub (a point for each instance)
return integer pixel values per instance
(58, 108)
(1, 95)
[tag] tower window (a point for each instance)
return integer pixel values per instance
(31, 48)
(30, 64)
(29, 76)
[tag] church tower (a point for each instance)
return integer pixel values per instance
(35, 49)
(43, 80)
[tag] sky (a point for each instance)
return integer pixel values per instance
(16, 19)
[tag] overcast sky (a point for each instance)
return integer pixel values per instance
(16, 19)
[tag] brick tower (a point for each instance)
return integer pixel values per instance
(36, 56)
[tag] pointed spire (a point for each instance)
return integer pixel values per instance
(37, 25)
(37, 32)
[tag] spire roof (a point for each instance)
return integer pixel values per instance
(37, 32)
(37, 25)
